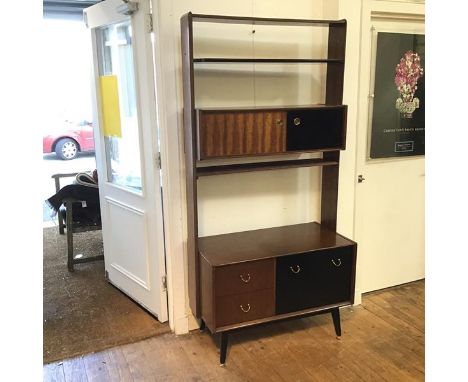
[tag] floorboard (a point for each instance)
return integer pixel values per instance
(383, 340)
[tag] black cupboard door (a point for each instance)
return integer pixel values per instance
(314, 279)
(314, 129)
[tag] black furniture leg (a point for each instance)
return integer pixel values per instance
(69, 225)
(336, 320)
(202, 326)
(59, 216)
(224, 344)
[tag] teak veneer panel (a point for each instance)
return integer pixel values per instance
(224, 134)
(258, 244)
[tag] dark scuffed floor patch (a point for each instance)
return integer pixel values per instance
(82, 312)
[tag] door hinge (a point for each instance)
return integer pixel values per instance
(164, 283)
(158, 160)
(149, 23)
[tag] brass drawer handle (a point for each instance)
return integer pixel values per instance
(247, 279)
(245, 310)
(335, 264)
(297, 121)
(296, 270)
(279, 122)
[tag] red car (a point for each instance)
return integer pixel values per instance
(69, 140)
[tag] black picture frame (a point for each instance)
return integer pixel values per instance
(398, 122)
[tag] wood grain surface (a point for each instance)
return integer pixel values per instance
(226, 134)
(268, 242)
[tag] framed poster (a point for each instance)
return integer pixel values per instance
(398, 126)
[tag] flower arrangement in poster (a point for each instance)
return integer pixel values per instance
(407, 73)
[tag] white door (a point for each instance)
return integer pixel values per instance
(390, 199)
(127, 151)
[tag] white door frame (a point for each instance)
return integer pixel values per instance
(169, 98)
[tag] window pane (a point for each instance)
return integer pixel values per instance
(120, 117)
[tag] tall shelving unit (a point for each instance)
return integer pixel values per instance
(249, 278)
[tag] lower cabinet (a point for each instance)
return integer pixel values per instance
(254, 277)
(265, 275)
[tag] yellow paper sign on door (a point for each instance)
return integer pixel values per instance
(110, 106)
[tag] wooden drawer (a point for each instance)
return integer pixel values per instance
(244, 307)
(245, 277)
(226, 134)
(316, 128)
(314, 279)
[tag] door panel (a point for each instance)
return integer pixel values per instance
(390, 200)
(126, 138)
(129, 241)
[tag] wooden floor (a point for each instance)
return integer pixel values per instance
(383, 340)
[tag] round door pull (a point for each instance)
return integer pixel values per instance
(245, 310)
(337, 264)
(295, 269)
(245, 279)
(297, 121)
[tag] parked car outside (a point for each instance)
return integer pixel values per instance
(70, 139)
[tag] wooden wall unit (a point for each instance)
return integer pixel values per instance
(249, 278)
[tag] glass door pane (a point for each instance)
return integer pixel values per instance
(119, 114)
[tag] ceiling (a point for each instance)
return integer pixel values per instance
(66, 8)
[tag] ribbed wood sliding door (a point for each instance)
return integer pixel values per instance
(241, 133)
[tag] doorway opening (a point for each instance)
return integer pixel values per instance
(82, 312)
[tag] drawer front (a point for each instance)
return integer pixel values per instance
(227, 134)
(315, 129)
(314, 279)
(245, 277)
(244, 307)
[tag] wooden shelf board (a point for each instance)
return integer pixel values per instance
(262, 166)
(238, 247)
(269, 108)
(223, 60)
(262, 20)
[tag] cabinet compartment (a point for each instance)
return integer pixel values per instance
(244, 307)
(224, 133)
(314, 279)
(245, 277)
(235, 133)
(316, 128)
